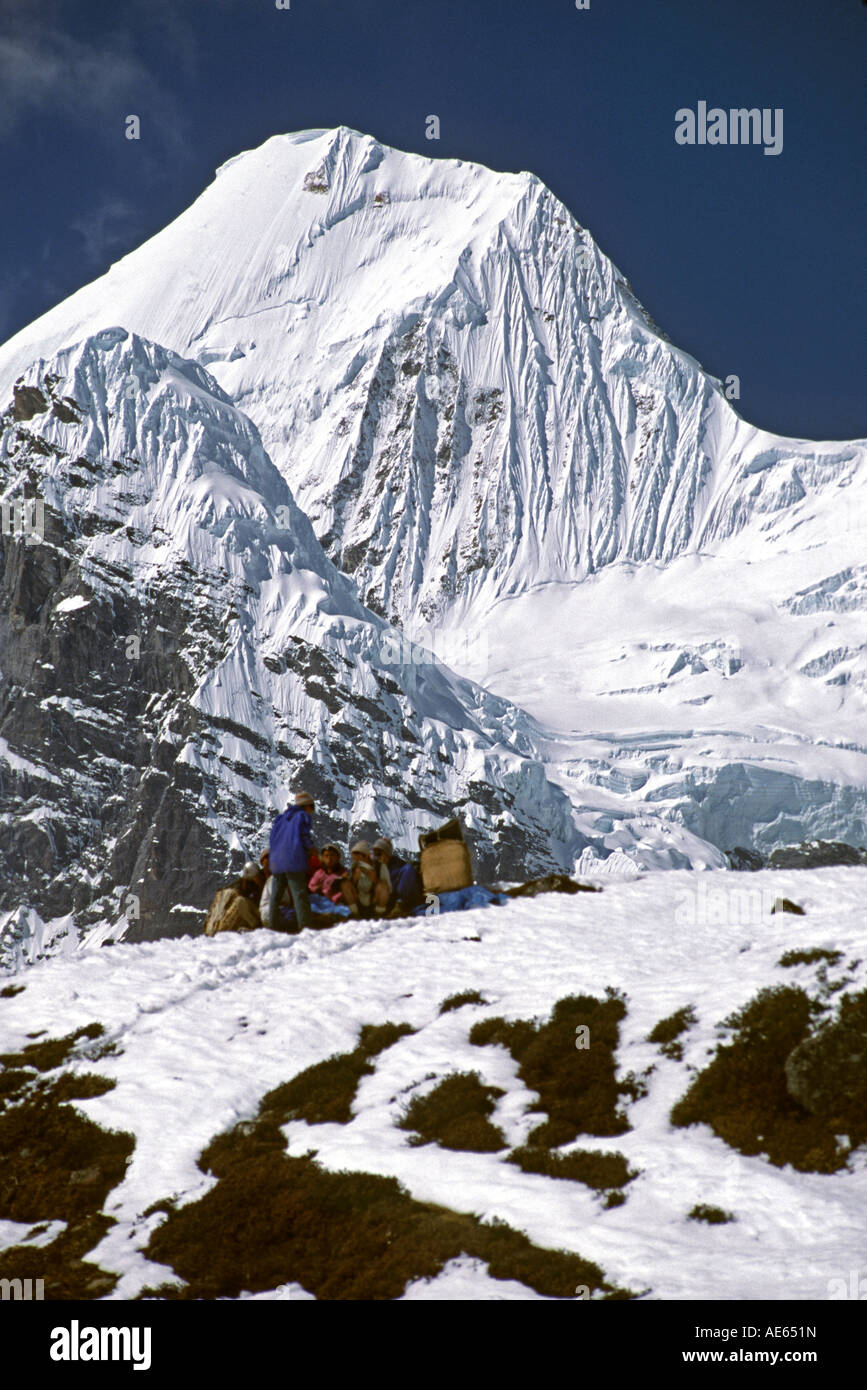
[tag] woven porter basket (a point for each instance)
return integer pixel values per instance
(445, 866)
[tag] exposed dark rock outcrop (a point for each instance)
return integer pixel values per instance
(155, 712)
(552, 883)
(817, 854)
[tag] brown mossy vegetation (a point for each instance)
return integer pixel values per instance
(12, 1083)
(786, 905)
(166, 1205)
(668, 1030)
(455, 1115)
(457, 1001)
(81, 1086)
(271, 1219)
(52, 1053)
(323, 1093)
(742, 1093)
(62, 1264)
(827, 1073)
(817, 953)
(714, 1216)
(57, 1165)
(601, 1171)
(578, 1086)
(11, 990)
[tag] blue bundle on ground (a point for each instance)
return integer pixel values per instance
(288, 921)
(461, 899)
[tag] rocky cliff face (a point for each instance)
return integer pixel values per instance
(178, 654)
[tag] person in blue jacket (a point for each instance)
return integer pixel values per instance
(406, 891)
(289, 857)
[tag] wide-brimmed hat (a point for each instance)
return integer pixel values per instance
(304, 799)
(383, 843)
(336, 848)
(360, 847)
(250, 869)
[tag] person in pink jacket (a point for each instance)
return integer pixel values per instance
(328, 878)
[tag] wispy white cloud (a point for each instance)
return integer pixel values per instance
(46, 68)
(106, 228)
(55, 71)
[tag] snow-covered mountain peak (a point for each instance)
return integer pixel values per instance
(271, 235)
(491, 440)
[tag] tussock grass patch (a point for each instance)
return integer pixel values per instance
(81, 1086)
(597, 1170)
(57, 1165)
(457, 1001)
(13, 1083)
(714, 1216)
(48, 1055)
(165, 1205)
(271, 1219)
(323, 1093)
(667, 1030)
(827, 1073)
(62, 1264)
(578, 1086)
(817, 953)
(455, 1115)
(742, 1093)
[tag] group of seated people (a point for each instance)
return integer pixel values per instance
(378, 883)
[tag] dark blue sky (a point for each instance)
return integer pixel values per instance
(754, 263)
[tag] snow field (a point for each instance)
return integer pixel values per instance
(205, 1028)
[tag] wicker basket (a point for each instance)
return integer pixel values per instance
(445, 866)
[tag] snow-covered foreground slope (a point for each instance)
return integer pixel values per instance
(493, 439)
(204, 1028)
